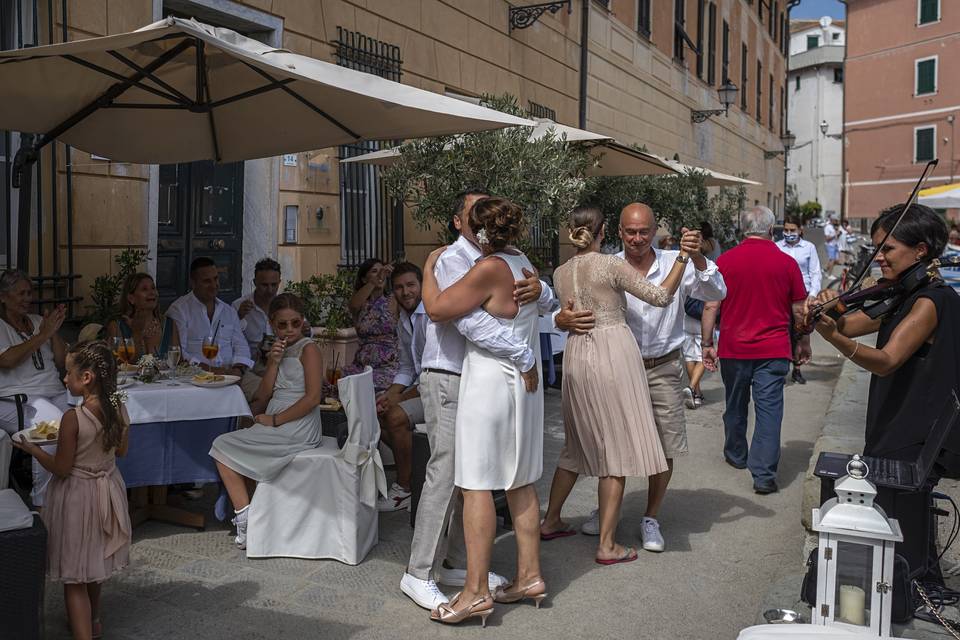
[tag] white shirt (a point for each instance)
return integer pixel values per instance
(830, 234)
(411, 336)
(446, 342)
(660, 330)
(254, 325)
(25, 377)
(194, 325)
(805, 253)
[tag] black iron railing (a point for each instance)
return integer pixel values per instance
(371, 222)
(539, 111)
(23, 24)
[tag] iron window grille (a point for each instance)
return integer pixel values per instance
(29, 23)
(371, 222)
(539, 111)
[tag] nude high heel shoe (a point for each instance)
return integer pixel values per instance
(479, 608)
(535, 591)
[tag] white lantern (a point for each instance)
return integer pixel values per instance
(855, 561)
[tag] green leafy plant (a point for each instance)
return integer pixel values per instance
(543, 176)
(105, 291)
(325, 297)
(810, 209)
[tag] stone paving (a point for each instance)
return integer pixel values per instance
(725, 546)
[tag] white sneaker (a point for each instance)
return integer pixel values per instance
(688, 398)
(424, 592)
(397, 499)
(458, 577)
(650, 534)
(240, 521)
(592, 525)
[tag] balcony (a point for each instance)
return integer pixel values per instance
(826, 55)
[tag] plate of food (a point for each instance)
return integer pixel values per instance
(213, 380)
(47, 431)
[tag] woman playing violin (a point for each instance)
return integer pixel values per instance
(916, 361)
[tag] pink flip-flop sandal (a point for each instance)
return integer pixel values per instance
(560, 533)
(629, 556)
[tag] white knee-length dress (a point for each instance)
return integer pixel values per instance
(499, 433)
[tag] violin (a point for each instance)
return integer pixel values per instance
(883, 297)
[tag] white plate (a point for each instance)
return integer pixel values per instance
(27, 434)
(123, 383)
(226, 382)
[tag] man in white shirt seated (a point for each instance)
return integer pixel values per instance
(200, 314)
(400, 408)
(805, 253)
(253, 311)
(660, 336)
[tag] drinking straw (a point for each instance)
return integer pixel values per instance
(216, 330)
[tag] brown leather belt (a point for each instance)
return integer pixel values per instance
(652, 363)
(443, 371)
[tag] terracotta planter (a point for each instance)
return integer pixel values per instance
(340, 349)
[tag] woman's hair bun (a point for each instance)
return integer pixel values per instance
(500, 220)
(581, 237)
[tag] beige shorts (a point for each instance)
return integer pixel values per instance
(413, 407)
(665, 382)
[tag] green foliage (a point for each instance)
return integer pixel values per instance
(679, 201)
(544, 176)
(792, 202)
(105, 291)
(810, 209)
(325, 298)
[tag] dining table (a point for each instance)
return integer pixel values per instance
(172, 425)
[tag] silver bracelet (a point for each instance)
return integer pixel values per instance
(850, 357)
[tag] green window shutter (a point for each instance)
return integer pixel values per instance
(925, 149)
(813, 42)
(929, 11)
(926, 77)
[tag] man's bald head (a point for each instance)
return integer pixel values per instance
(637, 212)
(638, 227)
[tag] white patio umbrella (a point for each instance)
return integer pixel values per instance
(713, 178)
(610, 157)
(180, 90)
(943, 197)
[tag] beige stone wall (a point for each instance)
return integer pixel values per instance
(637, 93)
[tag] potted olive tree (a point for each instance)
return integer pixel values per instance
(325, 297)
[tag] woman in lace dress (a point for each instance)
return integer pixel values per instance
(607, 412)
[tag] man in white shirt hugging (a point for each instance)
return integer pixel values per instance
(200, 315)
(400, 408)
(434, 554)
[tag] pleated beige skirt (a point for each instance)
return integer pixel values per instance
(607, 412)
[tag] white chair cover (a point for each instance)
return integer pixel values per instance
(324, 503)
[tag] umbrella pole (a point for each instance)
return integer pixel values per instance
(23, 164)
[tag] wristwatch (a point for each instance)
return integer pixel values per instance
(682, 259)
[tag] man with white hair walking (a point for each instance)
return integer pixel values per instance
(765, 292)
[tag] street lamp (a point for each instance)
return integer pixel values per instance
(824, 127)
(787, 139)
(727, 94)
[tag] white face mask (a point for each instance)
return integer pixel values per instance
(791, 238)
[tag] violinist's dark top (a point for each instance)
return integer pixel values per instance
(904, 405)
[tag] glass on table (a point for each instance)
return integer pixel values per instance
(173, 357)
(130, 351)
(118, 347)
(210, 350)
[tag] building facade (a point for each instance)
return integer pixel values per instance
(649, 64)
(815, 112)
(902, 99)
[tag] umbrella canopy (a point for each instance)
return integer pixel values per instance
(610, 157)
(713, 178)
(944, 197)
(180, 90)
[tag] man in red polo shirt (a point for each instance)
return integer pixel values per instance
(765, 291)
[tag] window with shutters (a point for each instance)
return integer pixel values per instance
(644, 18)
(725, 54)
(796, 83)
(813, 42)
(712, 44)
(759, 112)
(701, 10)
(928, 11)
(838, 75)
(771, 95)
(679, 18)
(743, 76)
(924, 144)
(926, 76)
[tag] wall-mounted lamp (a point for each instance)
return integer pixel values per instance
(727, 94)
(788, 140)
(824, 127)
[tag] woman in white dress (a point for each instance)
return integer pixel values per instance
(287, 412)
(499, 430)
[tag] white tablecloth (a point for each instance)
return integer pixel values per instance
(163, 402)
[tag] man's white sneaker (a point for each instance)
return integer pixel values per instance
(592, 525)
(397, 499)
(240, 521)
(650, 534)
(424, 592)
(688, 398)
(458, 577)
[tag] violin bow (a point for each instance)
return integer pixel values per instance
(927, 170)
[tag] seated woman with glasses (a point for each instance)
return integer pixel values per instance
(31, 355)
(140, 318)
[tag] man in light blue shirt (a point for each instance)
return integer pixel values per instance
(805, 253)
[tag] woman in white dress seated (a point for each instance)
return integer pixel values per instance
(286, 406)
(499, 429)
(31, 357)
